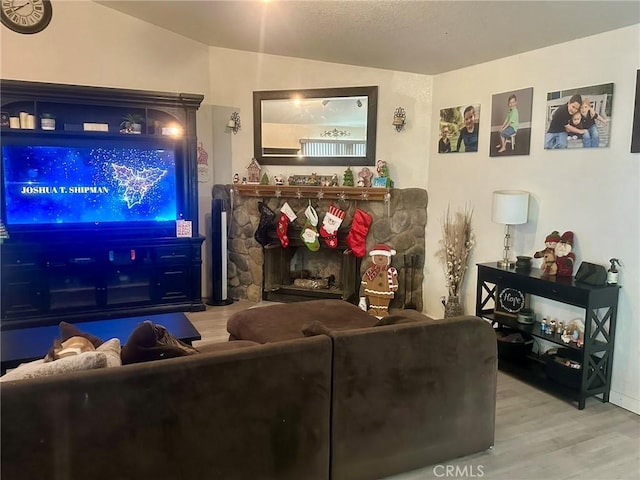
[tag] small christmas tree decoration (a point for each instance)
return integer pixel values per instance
(265, 179)
(347, 179)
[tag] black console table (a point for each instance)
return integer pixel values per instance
(600, 304)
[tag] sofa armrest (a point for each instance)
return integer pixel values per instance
(410, 395)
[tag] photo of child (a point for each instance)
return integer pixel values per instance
(459, 126)
(511, 123)
(579, 117)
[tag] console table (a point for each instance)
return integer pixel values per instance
(600, 304)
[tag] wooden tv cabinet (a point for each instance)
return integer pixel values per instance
(44, 283)
(131, 270)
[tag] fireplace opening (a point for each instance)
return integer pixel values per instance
(296, 273)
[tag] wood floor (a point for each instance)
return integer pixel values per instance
(538, 436)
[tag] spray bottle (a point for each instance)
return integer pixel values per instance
(612, 273)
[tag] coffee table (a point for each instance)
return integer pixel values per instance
(26, 344)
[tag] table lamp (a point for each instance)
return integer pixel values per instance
(510, 207)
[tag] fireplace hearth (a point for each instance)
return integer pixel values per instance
(295, 273)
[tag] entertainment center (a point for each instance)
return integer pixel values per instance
(91, 206)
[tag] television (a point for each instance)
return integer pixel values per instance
(67, 186)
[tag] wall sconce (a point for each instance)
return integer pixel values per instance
(234, 123)
(510, 207)
(399, 118)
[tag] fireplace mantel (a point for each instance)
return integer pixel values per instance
(308, 191)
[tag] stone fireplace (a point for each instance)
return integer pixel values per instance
(296, 273)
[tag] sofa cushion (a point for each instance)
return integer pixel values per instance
(225, 346)
(150, 341)
(275, 323)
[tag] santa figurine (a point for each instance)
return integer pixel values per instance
(565, 258)
(379, 283)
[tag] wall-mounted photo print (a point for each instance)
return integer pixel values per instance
(579, 117)
(635, 133)
(511, 123)
(459, 129)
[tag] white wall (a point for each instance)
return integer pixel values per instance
(594, 192)
(235, 75)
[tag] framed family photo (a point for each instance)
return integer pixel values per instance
(579, 117)
(511, 123)
(459, 128)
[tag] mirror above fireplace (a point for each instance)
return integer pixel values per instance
(316, 127)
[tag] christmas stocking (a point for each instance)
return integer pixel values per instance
(309, 233)
(357, 236)
(286, 216)
(330, 225)
(266, 218)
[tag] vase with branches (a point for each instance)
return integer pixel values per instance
(455, 247)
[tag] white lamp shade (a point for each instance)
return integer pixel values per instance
(510, 207)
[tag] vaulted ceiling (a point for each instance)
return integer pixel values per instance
(427, 37)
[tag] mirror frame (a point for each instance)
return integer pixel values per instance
(371, 92)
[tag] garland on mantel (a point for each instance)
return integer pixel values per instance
(326, 193)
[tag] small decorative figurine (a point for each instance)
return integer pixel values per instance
(253, 171)
(265, 179)
(236, 178)
(278, 179)
(347, 179)
(565, 258)
(548, 255)
(379, 283)
(334, 181)
(365, 175)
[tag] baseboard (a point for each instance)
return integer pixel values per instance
(624, 401)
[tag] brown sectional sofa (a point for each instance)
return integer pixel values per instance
(412, 393)
(327, 392)
(260, 412)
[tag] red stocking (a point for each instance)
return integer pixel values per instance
(286, 216)
(357, 236)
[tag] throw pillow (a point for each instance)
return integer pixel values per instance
(149, 342)
(40, 368)
(73, 346)
(111, 349)
(67, 331)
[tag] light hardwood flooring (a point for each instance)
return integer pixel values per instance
(538, 436)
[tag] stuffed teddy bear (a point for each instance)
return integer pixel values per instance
(548, 255)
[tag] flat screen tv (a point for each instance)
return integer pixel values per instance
(62, 186)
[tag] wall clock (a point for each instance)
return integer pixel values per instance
(26, 16)
(510, 301)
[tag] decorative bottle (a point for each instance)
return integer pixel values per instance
(612, 273)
